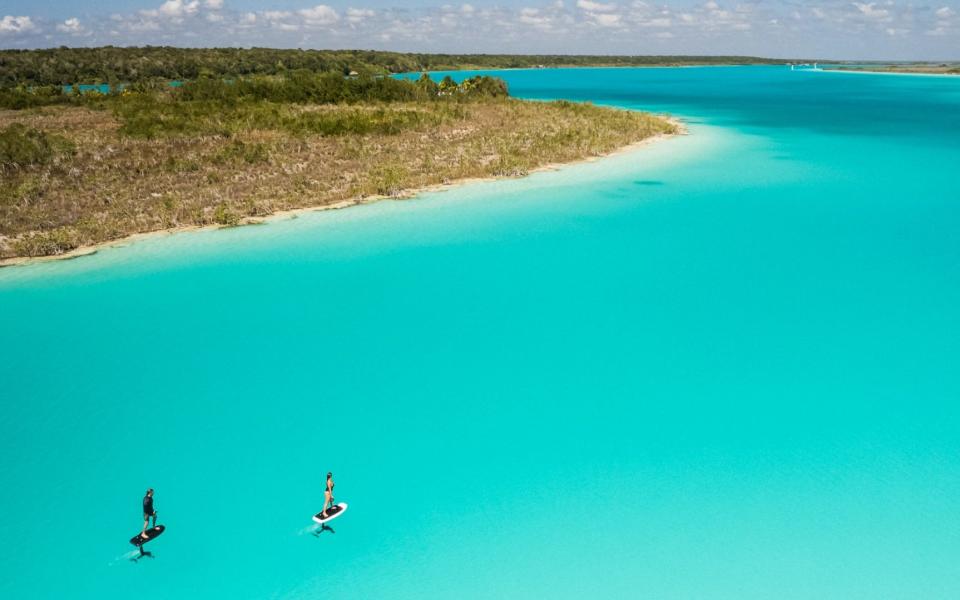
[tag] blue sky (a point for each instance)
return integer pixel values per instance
(878, 29)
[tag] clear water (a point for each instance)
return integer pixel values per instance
(725, 366)
(102, 88)
(105, 88)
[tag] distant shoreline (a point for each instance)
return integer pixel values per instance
(55, 66)
(881, 71)
(92, 249)
(547, 68)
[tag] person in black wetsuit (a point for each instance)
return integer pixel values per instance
(327, 496)
(148, 512)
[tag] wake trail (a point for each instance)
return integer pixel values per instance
(124, 557)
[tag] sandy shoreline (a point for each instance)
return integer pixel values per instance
(286, 214)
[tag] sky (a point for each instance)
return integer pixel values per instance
(825, 29)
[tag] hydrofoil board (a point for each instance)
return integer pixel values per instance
(139, 540)
(332, 513)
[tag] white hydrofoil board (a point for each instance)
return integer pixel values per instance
(332, 513)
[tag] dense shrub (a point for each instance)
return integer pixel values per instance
(305, 87)
(151, 117)
(48, 243)
(19, 98)
(483, 85)
(210, 106)
(23, 147)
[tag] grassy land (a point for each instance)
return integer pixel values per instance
(81, 175)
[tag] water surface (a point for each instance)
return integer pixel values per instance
(722, 367)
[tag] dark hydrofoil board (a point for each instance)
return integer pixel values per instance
(153, 532)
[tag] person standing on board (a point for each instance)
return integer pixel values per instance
(327, 496)
(148, 512)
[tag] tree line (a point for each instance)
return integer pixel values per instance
(307, 87)
(293, 87)
(112, 65)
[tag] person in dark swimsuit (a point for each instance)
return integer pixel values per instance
(148, 512)
(327, 496)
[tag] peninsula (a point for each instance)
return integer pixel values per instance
(85, 168)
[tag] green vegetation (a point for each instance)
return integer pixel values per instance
(150, 118)
(21, 147)
(67, 66)
(21, 97)
(218, 107)
(299, 87)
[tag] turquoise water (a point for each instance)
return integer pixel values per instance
(105, 88)
(102, 88)
(724, 366)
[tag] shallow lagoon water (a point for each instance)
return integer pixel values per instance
(723, 366)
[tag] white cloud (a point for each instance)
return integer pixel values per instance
(173, 9)
(135, 24)
(467, 9)
(278, 19)
(355, 15)
(11, 24)
(870, 11)
(600, 14)
(179, 8)
(320, 14)
(533, 16)
(606, 19)
(658, 22)
(71, 25)
(595, 7)
(944, 24)
(711, 17)
(214, 4)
